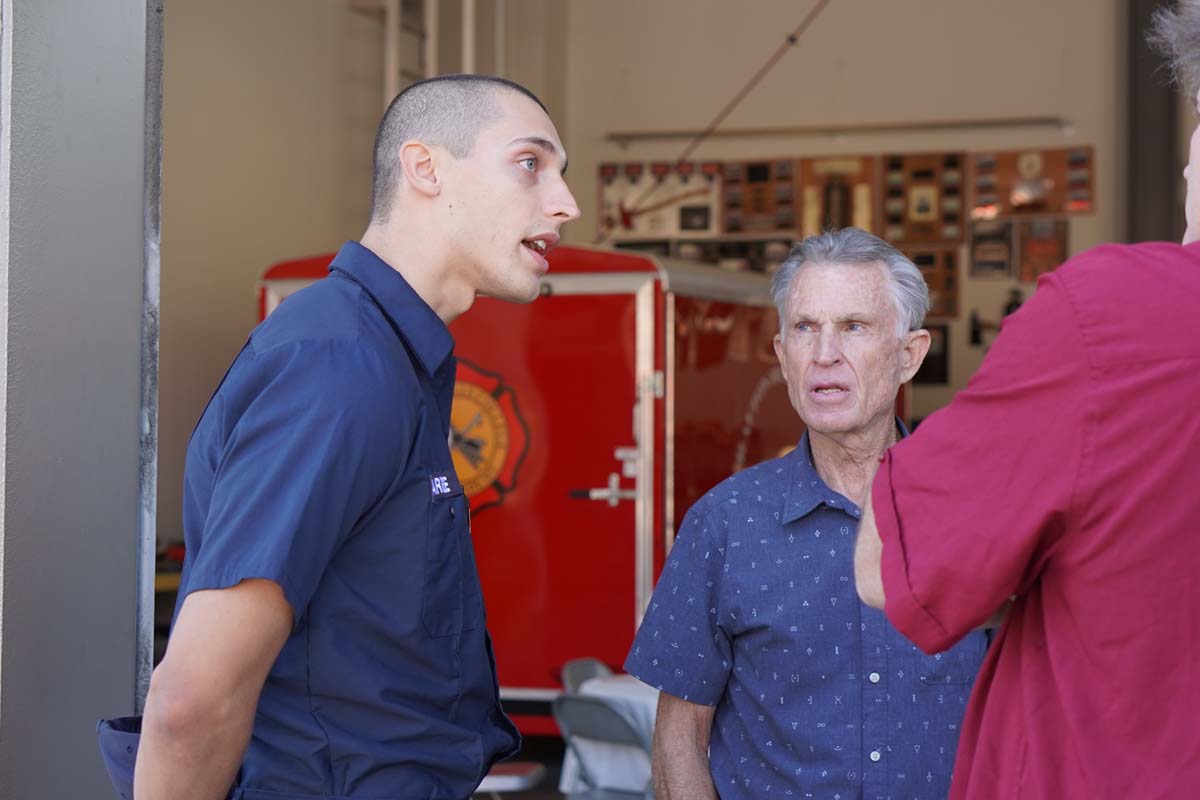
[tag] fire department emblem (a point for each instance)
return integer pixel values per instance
(488, 438)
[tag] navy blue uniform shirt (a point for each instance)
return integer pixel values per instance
(816, 695)
(321, 463)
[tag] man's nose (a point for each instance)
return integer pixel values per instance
(829, 349)
(562, 205)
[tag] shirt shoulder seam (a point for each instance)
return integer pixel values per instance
(1087, 445)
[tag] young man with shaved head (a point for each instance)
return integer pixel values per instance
(329, 638)
(1065, 476)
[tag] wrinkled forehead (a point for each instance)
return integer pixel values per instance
(841, 289)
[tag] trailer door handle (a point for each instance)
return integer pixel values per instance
(612, 494)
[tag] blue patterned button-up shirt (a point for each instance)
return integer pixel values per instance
(816, 695)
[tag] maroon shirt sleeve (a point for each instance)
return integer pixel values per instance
(971, 503)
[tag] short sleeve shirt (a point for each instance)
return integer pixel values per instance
(1066, 474)
(322, 463)
(756, 612)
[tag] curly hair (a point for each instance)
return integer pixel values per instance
(1175, 32)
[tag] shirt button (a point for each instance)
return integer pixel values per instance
(876, 755)
(873, 677)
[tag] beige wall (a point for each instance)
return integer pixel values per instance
(269, 109)
(634, 65)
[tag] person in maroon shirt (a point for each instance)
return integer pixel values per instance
(1066, 476)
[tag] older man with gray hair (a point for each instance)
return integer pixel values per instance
(776, 680)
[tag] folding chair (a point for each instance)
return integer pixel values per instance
(594, 719)
(578, 670)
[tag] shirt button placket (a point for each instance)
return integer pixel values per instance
(875, 733)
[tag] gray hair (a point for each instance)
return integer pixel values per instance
(856, 246)
(1175, 32)
(448, 111)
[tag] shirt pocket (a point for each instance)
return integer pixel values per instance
(955, 667)
(472, 589)
(442, 603)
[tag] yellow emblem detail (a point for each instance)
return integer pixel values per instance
(478, 437)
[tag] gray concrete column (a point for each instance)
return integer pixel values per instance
(78, 361)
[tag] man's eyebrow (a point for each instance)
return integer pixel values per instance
(542, 144)
(851, 316)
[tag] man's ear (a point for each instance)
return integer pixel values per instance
(912, 354)
(418, 164)
(778, 341)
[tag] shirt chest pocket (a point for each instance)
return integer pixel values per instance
(452, 601)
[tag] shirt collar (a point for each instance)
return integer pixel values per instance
(806, 490)
(424, 331)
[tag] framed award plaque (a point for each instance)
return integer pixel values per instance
(838, 192)
(992, 248)
(1033, 182)
(1044, 244)
(939, 266)
(923, 198)
(759, 196)
(935, 370)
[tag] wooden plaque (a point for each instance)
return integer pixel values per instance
(923, 198)
(759, 196)
(939, 265)
(935, 370)
(992, 249)
(1044, 246)
(1033, 182)
(838, 192)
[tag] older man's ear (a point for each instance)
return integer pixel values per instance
(913, 352)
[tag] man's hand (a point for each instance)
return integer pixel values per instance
(680, 765)
(203, 696)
